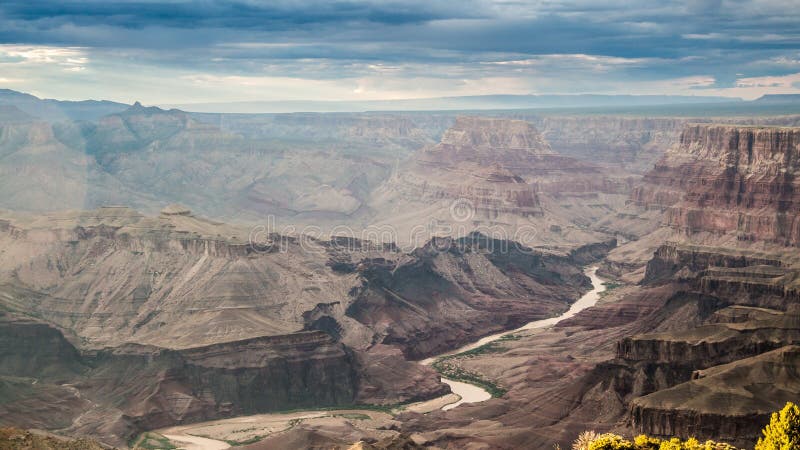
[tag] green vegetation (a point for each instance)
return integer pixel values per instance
(783, 430)
(452, 371)
(447, 367)
(252, 440)
(353, 416)
(152, 441)
(491, 347)
(364, 406)
(610, 286)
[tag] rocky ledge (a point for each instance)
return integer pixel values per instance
(729, 403)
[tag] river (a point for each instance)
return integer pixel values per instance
(471, 393)
(189, 436)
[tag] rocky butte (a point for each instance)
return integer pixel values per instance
(723, 179)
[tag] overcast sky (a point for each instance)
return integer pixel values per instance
(221, 51)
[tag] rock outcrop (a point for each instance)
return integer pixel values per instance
(517, 287)
(16, 439)
(730, 402)
(746, 322)
(726, 179)
(115, 393)
(673, 260)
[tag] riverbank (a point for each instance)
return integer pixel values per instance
(472, 387)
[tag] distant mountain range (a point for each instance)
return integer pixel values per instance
(779, 98)
(478, 102)
(91, 110)
(56, 110)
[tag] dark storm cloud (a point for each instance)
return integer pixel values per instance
(222, 14)
(616, 28)
(638, 40)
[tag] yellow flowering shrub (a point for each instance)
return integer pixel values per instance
(611, 441)
(782, 433)
(783, 430)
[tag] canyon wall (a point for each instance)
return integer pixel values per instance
(628, 141)
(734, 180)
(632, 143)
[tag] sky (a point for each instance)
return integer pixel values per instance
(182, 52)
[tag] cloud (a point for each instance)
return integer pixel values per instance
(398, 47)
(696, 82)
(704, 36)
(42, 54)
(786, 81)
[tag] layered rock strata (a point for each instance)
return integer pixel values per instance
(734, 180)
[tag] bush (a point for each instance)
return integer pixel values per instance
(584, 439)
(693, 444)
(643, 442)
(610, 441)
(783, 430)
(782, 433)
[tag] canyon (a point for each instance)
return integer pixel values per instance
(684, 346)
(154, 321)
(161, 269)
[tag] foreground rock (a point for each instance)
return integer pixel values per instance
(16, 439)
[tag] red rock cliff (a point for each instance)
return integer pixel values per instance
(730, 179)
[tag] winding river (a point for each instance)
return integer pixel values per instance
(193, 436)
(470, 393)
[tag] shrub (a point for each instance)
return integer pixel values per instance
(783, 430)
(584, 439)
(643, 442)
(782, 433)
(610, 441)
